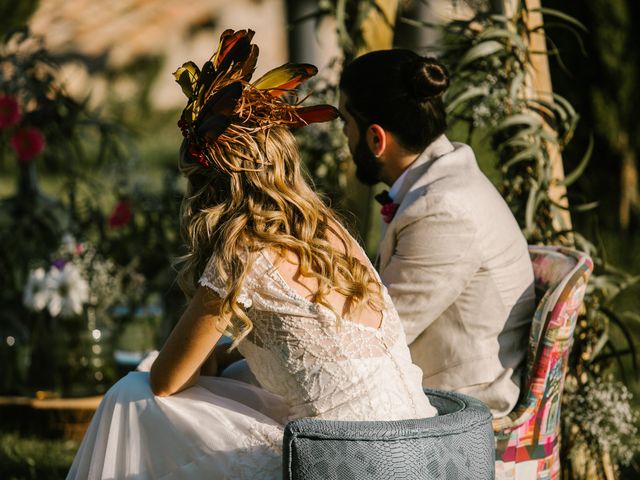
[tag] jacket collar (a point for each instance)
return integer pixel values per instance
(436, 149)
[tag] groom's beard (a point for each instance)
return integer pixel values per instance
(367, 165)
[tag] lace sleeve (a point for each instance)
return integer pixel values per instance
(218, 282)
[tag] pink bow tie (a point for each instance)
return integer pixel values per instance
(389, 208)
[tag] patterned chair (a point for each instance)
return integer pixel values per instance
(528, 439)
(456, 444)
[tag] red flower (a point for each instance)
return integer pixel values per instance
(9, 111)
(388, 210)
(121, 214)
(27, 143)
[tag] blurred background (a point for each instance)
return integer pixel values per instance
(90, 193)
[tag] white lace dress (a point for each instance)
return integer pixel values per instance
(222, 428)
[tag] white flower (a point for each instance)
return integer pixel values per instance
(36, 294)
(68, 291)
(68, 243)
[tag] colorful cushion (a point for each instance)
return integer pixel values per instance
(527, 440)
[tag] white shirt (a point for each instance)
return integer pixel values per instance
(395, 188)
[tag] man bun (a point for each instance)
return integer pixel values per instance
(427, 78)
(399, 90)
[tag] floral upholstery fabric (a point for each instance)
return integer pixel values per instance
(528, 439)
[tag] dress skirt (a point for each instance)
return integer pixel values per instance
(220, 429)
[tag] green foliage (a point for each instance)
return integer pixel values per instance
(78, 141)
(604, 88)
(34, 458)
(16, 14)
(490, 60)
(613, 39)
(32, 224)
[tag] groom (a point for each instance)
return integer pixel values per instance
(452, 255)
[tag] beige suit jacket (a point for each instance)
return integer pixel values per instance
(457, 268)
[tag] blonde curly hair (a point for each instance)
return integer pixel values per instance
(253, 197)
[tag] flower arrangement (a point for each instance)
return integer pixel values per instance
(69, 296)
(62, 291)
(599, 415)
(77, 278)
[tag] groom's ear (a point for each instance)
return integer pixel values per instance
(376, 139)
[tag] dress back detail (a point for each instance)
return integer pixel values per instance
(321, 367)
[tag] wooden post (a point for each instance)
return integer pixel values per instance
(378, 27)
(539, 86)
(302, 43)
(543, 89)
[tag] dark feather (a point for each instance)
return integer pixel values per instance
(233, 47)
(221, 104)
(207, 75)
(214, 126)
(237, 55)
(250, 64)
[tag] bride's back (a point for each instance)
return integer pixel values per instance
(288, 266)
(321, 366)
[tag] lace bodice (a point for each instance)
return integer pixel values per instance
(297, 350)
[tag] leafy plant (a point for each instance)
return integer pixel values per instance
(66, 138)
(35, 457)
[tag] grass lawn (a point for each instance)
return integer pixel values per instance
(32, 457)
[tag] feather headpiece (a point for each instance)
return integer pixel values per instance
(223, 106)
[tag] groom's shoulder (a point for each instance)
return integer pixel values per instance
(437, 202)
(454, 185)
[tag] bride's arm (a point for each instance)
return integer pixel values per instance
(188, 346)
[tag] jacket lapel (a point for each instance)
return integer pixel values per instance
(418, 169)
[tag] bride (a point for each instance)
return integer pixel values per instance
(268, 264)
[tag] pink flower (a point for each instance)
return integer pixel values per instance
(9, 111)
(388, 210)
(27, 143)
(121, 215)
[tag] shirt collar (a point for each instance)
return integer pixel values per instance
(395, 188)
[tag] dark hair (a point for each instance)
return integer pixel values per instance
(400, 91)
